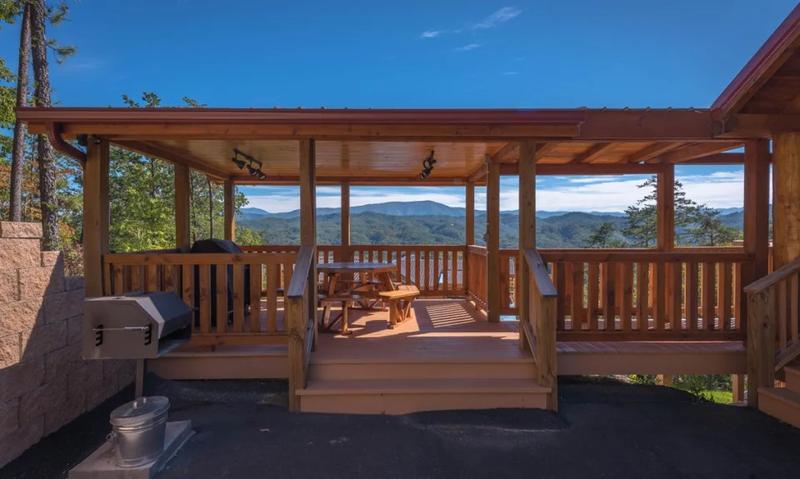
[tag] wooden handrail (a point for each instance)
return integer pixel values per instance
(539, 325)
(543, 282)
(780, 274)
(773, 321)
(139, 259)
(643, 254)
(302, 268)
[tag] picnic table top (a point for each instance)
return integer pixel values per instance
(353, 267)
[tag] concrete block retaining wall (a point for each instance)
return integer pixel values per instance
(44, 383)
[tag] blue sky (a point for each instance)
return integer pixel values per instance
(558, 53)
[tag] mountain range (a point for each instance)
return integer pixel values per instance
(429, 222)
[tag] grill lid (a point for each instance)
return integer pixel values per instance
(143, 410)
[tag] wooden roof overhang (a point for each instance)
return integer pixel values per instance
(383, 147)
(764, 98)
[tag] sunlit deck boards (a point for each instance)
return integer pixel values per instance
(445, 356)
(437, 329)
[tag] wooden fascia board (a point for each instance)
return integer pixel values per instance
(758, 70)
(453, 125)
(759, 125)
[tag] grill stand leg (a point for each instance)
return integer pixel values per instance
(139, 378)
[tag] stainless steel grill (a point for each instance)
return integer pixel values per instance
(135, 326)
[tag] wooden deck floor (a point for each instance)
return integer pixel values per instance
(437, 329)
(451, 332)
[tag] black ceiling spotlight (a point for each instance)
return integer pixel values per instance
(427, 166)
(250, 162)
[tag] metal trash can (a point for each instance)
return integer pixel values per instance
(138, 430)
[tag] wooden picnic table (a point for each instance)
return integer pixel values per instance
(382, 272)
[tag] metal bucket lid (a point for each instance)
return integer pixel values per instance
(142, 410)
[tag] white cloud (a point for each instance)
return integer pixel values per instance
(468, 47)
(501, 16)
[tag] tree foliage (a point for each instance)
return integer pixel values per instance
(695, 224)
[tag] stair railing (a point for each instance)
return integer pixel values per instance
(301, 317)
(540, 327)
(773, 326)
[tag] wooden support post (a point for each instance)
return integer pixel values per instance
(302, 312)
(183, 177)
(665, 241)
(756, 229)
(308, 196)
(737, 388)
(95, 214)
(345, 223)
(760, 343)
(527, 231)
(469, 223)
(493, 289)
(308, 215)
(786, 198)
(230, 214)
(665, 207)
(756, 207)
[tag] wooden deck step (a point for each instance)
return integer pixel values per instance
(224, 362)
(793, 378)
(376, 396)
(410, 368)
(651, 357)
(780, 403)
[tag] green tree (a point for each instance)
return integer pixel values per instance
(604, 237)
(142, 195)
(695, 224)
(40, 15)
(710, 231)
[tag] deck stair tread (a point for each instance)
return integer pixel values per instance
(782, 394)
(649, 347)
(793, 378)
(422, 386)
(780, 403)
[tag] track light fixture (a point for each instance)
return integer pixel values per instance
(253, 165)
(427, 166)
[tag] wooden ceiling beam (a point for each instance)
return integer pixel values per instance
(650, 152)
(588, 169)
(352, 180)
(697, 150)
(594, 152)
(159, 151)
(506, 151)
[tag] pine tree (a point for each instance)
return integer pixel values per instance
(695, 224)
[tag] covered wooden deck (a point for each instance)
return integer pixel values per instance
(695, 302)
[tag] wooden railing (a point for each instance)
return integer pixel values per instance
(476, 275)
(687, 293)
(646, 294)
(539, 328)
(301, 314)
(773, 308)
(437, 270)
(245, 310)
